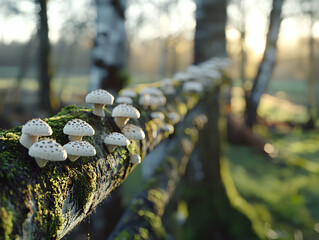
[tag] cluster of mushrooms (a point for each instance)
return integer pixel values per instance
(46, 149)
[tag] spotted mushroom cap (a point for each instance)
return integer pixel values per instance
(99, 96)
(133, 132)
(124, 110)
(124, 99)
(80, 148)
(127, 93)
(48, 149)
(37, 127)
(116, 138)
(78, 127)
(151, 91)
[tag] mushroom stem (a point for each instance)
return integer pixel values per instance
(98, 110)
(73, 138)
(27, 140)
(121, 121)
(41, 162)
(73, 158)
(111, 147)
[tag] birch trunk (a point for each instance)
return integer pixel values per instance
(210, 38)
(267, 64)
(109, 53)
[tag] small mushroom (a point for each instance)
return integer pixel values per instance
(181, 77)
(115, 139)
(79, 149)
(123, 112)
(124, 99)
(133, 132)
(99, 98)
(151, 91)
(47, 150)
(168, 128)
(135, 159)
(32, 130)
(77, 128)
(127, 93)
(157, 115)
(189, 87)
(173, 117)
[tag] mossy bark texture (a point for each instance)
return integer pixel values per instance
(142, 219)
(46, 203)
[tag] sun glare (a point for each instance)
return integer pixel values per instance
(289, 31)
(256, 43)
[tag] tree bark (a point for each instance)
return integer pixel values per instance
(45, 68)
(210, 38)
(267, 64)
(47, 203)
(109, 51)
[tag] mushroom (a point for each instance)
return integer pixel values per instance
(127, 93)
(193, 87)
(157, 115)
(173, 117)
(123, 112)
(77, 128)
(124, 99)
(168, 86)
(133, 132)
(151, 91)
(99, 98)
(47, 150)
(79, 149)
(181, 77)
(32, 130)
(135, 159)
(168, 128)
(115, 139)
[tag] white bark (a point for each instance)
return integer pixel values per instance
(109, 47)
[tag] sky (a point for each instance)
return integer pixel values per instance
(180, 19)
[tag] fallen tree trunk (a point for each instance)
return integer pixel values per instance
(142, 219)
(47, 203)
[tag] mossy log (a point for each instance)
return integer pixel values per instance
(142, 219)
(46, 203)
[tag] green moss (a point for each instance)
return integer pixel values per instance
(125, 235)
(6, 223)
(154, 221)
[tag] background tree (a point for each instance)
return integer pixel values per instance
(108, 54)
(210, 38)
(267, 64)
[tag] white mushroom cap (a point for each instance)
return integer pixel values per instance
(32, 130)
(135, 159)
(47, 150)
(151, 91)
(123, 113)
(181, 76)
(147, 100)
(173, 117)
(166, 82)
(100, 96)
(193, 87)
(127, 93)
(124, 110)
(79, 148)
(78, 128)
(124, 99)
(168, 128)
(115, 139)
(157, 115)
(133, 132)
(37, 127)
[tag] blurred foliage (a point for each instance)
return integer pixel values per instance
(284, 195)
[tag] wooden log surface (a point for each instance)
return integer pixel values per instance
(46, 203)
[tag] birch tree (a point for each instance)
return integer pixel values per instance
(108, 54)
(210, 38)
(267, 64)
